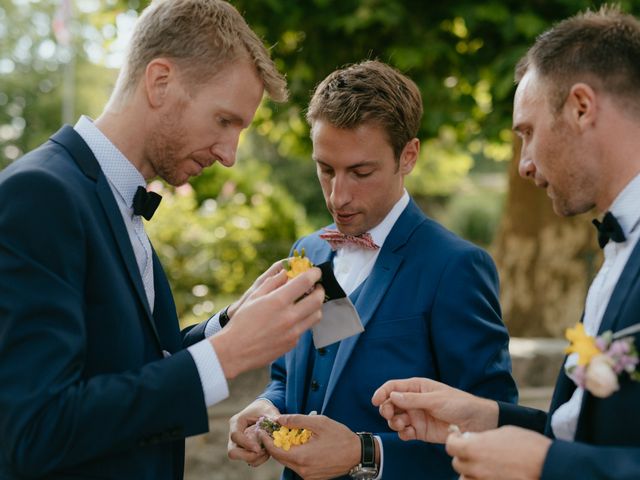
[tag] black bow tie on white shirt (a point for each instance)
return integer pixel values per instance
(145, 203)
(609, 229)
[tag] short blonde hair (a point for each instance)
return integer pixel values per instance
(201, 36)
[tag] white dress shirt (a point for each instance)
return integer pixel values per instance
(626, 209)
(351, 264)
(124, 179)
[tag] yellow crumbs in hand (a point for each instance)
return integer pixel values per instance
(297, 264)
(286, 437)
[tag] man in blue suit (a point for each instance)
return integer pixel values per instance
(97, 381)
(427, 299)
(577, 109)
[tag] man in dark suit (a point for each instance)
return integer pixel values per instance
(97, 379)
(577, 109)
(427, 299)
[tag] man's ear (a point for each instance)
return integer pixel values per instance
(158, 75)
(582, 105)
(409, 156)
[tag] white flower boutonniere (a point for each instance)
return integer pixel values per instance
(602, 359)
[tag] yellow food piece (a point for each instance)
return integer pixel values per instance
(297, 264)
(285, 437)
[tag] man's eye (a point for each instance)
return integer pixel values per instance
(362, 174)
(224, 122)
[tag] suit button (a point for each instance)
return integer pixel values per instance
(322, 351)
(314, 386)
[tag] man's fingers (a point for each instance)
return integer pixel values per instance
(297, 287)
(244, 441)
(310, 422)
(270, 284)
(309, 310)
(272, 270)
(260, 460)
(413, 401)
(381, 395)
(386, 409)
(239, 453)
(415, 385)
(408, 433)
(399, 422)
(457, 444)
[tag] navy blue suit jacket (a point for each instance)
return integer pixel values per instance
(607, 440)
(85, 391)
(430, 309)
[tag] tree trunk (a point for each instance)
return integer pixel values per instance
(545, 262)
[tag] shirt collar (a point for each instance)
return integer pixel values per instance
(120, 172)
(625, 206)
(380, 232)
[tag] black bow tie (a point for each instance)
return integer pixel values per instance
(145, 203)
(609, 229)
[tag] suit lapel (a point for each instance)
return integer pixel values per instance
(300, 356)
(611, 318)
(124, 245)
(376, 285)
(299, 363)
(82, 154)
(629, 276)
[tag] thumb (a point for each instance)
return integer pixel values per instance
(270, 284)
(299, 421)
(413, 401)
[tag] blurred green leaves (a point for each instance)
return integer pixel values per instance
(216, 237)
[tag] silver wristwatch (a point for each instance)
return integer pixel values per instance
(367, 468)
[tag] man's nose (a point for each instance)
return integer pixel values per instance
(526, 168)
(340, 195)
(226, 151)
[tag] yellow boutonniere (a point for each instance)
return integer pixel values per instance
(297, 264)
(602, 359)
(582, 344)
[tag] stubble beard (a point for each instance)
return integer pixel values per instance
(163, 150)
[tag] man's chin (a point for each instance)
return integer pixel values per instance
(350, 230)
(176, 180)
(563, 209)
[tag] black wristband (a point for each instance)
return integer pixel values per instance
(368, 456)
(223, 318)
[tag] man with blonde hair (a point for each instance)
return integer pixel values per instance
(577, 110)
(97, 379)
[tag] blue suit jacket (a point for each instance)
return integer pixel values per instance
(607, 440)
(85, 391)
(430, 309)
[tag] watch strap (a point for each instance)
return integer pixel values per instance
(368, 456)
(223, 318)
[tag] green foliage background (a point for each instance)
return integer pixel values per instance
(218, 235)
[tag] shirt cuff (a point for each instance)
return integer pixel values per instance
(213, 326)
(214, 383)
(381, 457)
